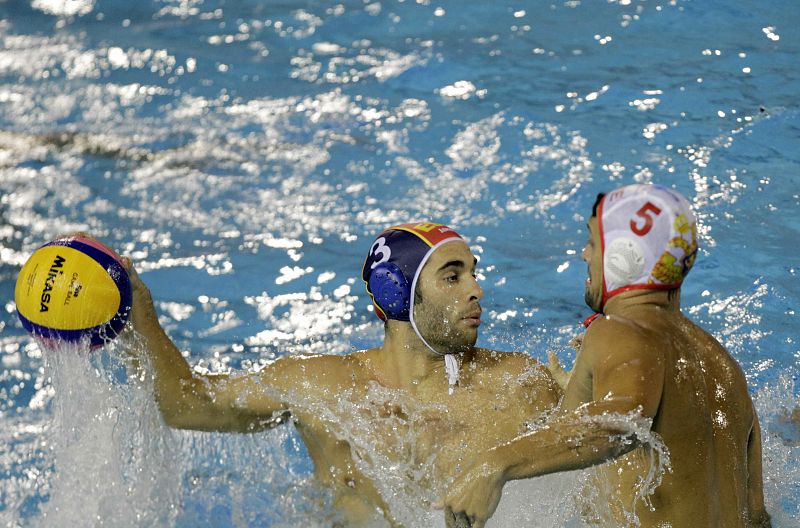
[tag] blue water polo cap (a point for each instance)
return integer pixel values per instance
(394, 262)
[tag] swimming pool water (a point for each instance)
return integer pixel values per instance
(244, 154)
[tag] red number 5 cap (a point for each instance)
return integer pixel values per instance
(648, 237)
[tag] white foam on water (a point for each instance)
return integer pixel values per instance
(545, 501)
(105, 458)
(780, 443)
(113, 462)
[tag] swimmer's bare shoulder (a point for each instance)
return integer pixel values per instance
(517, 372)
(612, 335)
(318, 373)
(621, 363)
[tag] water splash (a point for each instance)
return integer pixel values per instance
(384, 428)
(652, 457)
(103, 455)
(780, 443)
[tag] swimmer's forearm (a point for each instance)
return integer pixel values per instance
(176, 389)
(562, 446)
(180, 396)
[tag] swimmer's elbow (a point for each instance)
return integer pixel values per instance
(212, 404)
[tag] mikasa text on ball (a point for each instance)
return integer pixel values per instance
(73, 289)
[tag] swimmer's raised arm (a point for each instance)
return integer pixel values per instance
(187, 400)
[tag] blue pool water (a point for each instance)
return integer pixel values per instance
(244, 154)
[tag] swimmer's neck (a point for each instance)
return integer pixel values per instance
(404, 362)
(633, 300)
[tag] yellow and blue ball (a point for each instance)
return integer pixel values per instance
(73, 289)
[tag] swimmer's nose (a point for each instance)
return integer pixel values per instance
(477, 292)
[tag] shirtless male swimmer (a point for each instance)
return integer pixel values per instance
(421, 278)
(641, 356)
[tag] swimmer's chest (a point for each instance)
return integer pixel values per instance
(434, 434)
(470, 420)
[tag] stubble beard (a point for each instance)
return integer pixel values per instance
(441, 333)
(590, 298)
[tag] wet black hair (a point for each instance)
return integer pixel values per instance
(597, 203)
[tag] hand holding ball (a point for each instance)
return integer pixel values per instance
(73, 289)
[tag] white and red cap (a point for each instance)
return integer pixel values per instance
(648, 239)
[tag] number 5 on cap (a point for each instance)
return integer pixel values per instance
(645, 214)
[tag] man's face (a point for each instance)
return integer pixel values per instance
(593, 257)
(449, 313)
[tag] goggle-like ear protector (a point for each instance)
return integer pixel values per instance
(391, 291)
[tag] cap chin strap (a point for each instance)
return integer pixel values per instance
(452, 365)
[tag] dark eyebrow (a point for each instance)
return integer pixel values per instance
(452, 264)
(457, 264)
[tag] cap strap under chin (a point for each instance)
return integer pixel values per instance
(452, 368)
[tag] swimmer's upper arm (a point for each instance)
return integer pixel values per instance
(627, 370)
(239, 402)
(579, 387)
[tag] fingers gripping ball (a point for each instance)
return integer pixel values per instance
(73, 289)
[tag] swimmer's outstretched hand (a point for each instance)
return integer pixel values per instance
(557, 371)
(474, 495)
